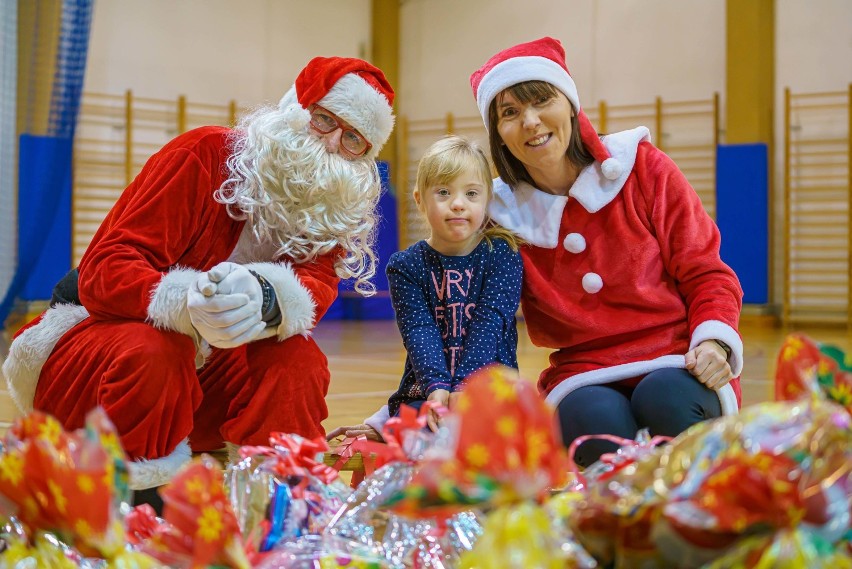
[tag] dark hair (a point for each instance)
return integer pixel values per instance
(509, 168)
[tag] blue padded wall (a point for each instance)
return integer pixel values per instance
(44, 218)
(349, 304)
(742, 214)
(44, 213)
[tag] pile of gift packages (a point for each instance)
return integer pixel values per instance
(494, 487)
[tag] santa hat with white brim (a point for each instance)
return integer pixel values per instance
(352, 89)
(539, 60)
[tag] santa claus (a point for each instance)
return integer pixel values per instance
(198, 294)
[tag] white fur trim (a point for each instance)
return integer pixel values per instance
(611, 374)
(167, 310)
(361, 105)
(31, 349)
(602, 376)
(716, 330)
(156, 472)
(611, 169)
(378, 419)
(295, 301)
(519, 69)
(531, 213)
(592, 188)
(728, 400)
(536, 216)
(574, 243)
(592, 283)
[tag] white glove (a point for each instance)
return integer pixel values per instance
(224, 306)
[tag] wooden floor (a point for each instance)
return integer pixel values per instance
(366, 360)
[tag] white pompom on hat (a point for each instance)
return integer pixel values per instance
(351, 88)
(539, 60)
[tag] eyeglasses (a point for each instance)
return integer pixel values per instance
(324, 121)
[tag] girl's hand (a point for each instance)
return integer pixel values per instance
(442, 397)
(708, 362)
(355, 431)
(454, 400)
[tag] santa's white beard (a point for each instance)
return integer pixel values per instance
(297, 195)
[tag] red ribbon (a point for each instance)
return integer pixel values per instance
(345, 451)
(616, 461)
(141, 524)
(376, 454)
(295, 456)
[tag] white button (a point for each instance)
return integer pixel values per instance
(574, 243)
(592, 283)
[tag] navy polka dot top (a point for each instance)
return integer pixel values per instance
(455, 314)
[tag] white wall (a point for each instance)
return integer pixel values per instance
(813, 45)
(813, 53)
(624, 51)
(216, 50)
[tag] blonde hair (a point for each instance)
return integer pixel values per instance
(445, 160)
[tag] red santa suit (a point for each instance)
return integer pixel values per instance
(135, 333)
(622, 276)
(132, 348)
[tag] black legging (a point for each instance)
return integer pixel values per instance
(666, 401)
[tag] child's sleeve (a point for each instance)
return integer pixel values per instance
(420, 334)
(494, 315)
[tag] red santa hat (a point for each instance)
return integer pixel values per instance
(351, 88)
(542, 60)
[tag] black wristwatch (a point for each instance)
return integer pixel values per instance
(725, 347)
(269, 310)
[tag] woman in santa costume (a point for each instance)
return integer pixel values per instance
(622, 275)
(198, 294)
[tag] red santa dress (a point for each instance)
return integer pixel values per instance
(622, 277)
(131, 347)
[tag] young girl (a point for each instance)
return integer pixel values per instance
(456, 293)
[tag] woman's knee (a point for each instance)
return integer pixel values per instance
(668, 401)
(595, 410)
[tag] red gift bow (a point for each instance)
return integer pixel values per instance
(302, 457)
(345, 451)
(613, 459)
(141, 524)
(295, 456)
(376, 454)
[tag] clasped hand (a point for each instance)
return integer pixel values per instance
(708, 363)
(224, 306)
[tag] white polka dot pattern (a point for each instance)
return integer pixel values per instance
(455, 314)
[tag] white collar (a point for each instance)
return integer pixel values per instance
(536, 215)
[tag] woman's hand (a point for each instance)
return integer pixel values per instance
(708, 362)
(442, 397)
(355, 431)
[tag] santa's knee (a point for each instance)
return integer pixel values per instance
(150, 392)
(156, 365)
(289, 382)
